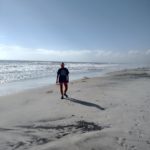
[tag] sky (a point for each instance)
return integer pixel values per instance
(75, 30)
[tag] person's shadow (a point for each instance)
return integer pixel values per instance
(89, 104)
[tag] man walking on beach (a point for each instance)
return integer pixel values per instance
(63, 79)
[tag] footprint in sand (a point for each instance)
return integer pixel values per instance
(48, 92)
(84, 79)
(78, 91)
(132, 147)
(121, 141)
(148, 142)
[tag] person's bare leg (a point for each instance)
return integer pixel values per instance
(61, 90)
(66, 89)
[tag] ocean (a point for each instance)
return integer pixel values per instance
(17, 76)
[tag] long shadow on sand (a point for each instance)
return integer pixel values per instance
(89, 104)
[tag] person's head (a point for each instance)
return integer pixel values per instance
(62, 65)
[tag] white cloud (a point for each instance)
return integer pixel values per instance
(21, 53)
(148, 52)
(133, 52)
(103, 53)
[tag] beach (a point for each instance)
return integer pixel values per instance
(111, 112)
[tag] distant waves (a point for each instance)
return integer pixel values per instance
(12, 71)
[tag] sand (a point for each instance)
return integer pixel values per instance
(102, 113)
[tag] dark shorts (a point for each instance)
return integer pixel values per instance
(63, 80)
(66, 82)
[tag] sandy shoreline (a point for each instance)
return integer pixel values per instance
(108, 113)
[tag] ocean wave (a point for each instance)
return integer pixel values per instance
(12, 71)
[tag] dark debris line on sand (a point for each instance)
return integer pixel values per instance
(82, 125)
(34, 137)
(134, 75)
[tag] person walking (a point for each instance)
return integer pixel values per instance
(63, 80)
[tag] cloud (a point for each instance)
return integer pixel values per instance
(12, 52)
(148, 52)
(133, 52)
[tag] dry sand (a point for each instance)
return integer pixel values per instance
(102, 113)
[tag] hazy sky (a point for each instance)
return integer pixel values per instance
(75, 30)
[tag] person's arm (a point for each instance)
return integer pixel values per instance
(57, 78)
(68, 75)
